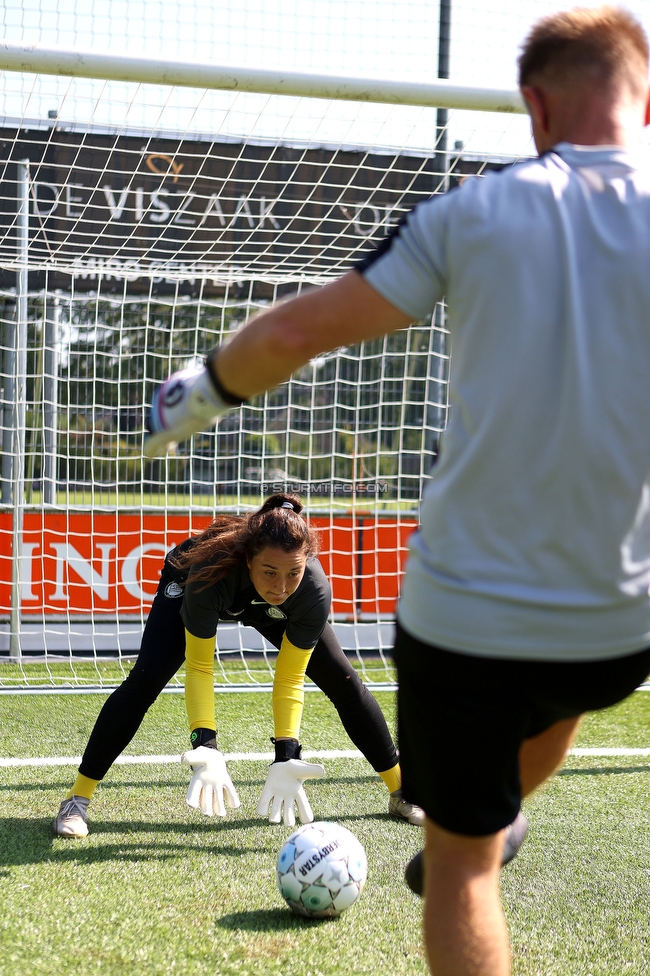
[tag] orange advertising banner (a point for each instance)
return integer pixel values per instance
(99, 563)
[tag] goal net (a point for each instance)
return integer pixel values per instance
(140, 224)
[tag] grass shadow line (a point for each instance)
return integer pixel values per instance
(603, 771)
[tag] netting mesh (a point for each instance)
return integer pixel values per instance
(376, 38)
(352, 433)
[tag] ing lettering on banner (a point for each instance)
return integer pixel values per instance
(84, 563)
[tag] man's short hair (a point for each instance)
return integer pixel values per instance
(604, 45)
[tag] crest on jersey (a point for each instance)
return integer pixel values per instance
(276, 613)
(173, 590)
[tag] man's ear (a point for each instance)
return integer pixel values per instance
(536, 104)
(646, 120)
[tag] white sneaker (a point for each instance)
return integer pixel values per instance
(71, 820)
(398, 807)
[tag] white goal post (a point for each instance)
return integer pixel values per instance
(147, 207)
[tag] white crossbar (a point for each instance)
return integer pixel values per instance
(39, 59)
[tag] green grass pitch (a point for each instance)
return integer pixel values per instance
(158, 889)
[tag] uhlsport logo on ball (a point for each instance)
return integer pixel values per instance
(321, 870)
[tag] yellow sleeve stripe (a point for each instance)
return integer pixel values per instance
(289, 689)
(199, 681)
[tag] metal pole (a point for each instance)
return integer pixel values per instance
(442, 115)
(20, 402)
(8, 399)
(50, 400)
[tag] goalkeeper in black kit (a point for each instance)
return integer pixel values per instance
(259, 569)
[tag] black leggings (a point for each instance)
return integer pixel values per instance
(162, 652)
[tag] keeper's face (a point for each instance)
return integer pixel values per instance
(277, 574)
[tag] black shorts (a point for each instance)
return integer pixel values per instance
(462, 719)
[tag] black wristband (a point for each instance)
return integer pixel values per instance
(229, 398)
(204, 737)
(286, 749)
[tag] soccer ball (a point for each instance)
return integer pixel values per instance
(321, 870)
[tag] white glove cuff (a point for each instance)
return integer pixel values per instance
(185, 403)
(187, 394)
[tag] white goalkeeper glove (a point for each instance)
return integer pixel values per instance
(187, 402)
(284, 787)
(210, 782)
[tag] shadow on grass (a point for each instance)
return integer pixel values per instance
(33, 842)
(604, 771)
(271, 920)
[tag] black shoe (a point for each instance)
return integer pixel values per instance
(413, 874)
(515, 836)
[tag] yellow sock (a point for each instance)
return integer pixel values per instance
(83, 786)
(392, 778)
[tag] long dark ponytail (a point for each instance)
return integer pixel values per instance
(232, 540)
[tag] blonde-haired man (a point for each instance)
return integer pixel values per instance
(526, 597)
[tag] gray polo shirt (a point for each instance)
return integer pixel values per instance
(535, 537)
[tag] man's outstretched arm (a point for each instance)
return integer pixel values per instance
(277, 342)
(264, 353)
